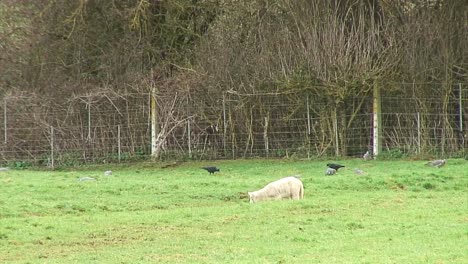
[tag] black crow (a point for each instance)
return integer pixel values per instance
(211, 169)
(334, 166)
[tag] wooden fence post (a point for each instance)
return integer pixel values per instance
(419, 132)
(377, 124)
(189, 136)
(154, 124)
(265, 136)
(335, 126)
(5, 126)
(88, 105)
(460, 104)
(119, 148)
(52, 160)
(224, 124)
(308, 127)
(308, 116)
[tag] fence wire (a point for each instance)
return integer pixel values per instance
(103, 128)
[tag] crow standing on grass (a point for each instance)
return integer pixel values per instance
(334, 166)
(211, 170)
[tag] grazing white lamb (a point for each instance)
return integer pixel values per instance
(285, 188)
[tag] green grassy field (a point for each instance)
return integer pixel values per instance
(397, 212)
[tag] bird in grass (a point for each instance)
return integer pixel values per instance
(437, 163)
(211, 170)
(330, 171)
(367, 156)
(335, 166)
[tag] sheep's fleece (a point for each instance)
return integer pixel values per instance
(285, 188)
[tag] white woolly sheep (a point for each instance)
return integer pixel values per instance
(285, 188)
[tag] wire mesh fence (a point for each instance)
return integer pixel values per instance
(115, 128)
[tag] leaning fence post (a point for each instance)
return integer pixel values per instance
(119, 148)
(5, 120)
(52, 147)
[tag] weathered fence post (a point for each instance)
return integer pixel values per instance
(189, 136)
(460, 108)
(308, 115)
(265, 136)
(118, 143)
(88, 105)
(5, 126)
(224, 124)
(154, 124)
(308, 127)
(233, 135)
(418, 119)
(52, 147)
(335, 126)
(377, 124)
